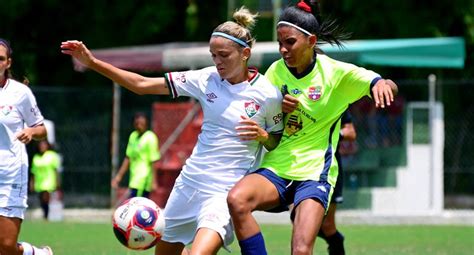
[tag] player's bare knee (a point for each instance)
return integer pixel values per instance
(238, 203)
(7, 246)
(301, 249)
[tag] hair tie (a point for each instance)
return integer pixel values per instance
(304, 6)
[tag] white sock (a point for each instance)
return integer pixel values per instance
(29, 249)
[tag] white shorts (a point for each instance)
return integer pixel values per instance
(13, 212)
(13, 200)
(189, 209)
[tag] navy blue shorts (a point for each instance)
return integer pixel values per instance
(294, 192)
(134, 193)
(337, 193)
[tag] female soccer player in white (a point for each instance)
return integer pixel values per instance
(302, 170)
(242, 112)
(17, 109)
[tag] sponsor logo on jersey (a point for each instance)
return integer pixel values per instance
(210, 97)
(278, 118)
(314, 93)
(294, 124)
(35, 110)
(251, 108)
(181, 77)
(6, 109)
(296, 91)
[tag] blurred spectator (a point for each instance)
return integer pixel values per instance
(45, 179)
(141, 158)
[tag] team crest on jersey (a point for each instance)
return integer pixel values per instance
(251, 108)
(314, 93)
(6, 109)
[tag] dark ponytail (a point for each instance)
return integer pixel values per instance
(306, 14)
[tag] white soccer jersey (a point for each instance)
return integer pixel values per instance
(17, 109)
(220, 158)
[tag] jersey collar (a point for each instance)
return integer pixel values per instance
(4, 84)
(254, 76)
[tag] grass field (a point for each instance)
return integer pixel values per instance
(70, 238)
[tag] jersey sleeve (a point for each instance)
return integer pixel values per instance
(34, 169)
(356, 81)
(129, 150)
(184, 83)
(274, 115)
(29, 109)
(153, 150)
(56, 162)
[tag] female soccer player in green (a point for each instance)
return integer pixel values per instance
(45, 174)
(142, 155)
(302, 169)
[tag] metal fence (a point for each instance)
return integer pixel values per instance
(83, 120)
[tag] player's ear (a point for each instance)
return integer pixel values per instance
(246, 52)
(312, 39)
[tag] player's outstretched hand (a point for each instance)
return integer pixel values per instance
(383, 93)
(78, 50)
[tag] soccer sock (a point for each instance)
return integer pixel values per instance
(322, 235)
(29, 249)
(45, 207)
(254, 245)
(336, 244)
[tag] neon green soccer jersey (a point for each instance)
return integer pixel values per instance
(306, 150)
(142, 151)
(44, 168)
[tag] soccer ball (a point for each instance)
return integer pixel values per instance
(138, 223)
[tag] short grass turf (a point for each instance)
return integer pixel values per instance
(70, 238)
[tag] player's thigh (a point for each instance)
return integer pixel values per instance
(255, 191)
(10, 229)
(207, 241)
(167, 248)
(329, 223)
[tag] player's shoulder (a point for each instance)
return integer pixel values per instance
(262, 82)
(277, 66)
(329, 63)
(52, 153)
(209, 71)
(206, 74)
(150, 134)
(16, 86)
(133, 135)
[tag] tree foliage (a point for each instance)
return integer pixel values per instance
(36, 28)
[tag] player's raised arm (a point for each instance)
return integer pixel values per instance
(130, 80)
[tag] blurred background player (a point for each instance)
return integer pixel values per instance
(142, 155)
(20, 122)
(45, 179)
(242, 113)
